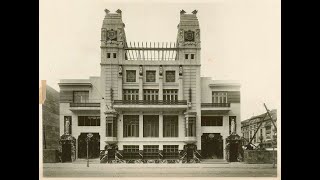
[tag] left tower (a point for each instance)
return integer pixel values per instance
(113, 41)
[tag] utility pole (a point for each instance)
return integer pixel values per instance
(274, 136)
(88, 139)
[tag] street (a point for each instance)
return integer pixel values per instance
(159, 170)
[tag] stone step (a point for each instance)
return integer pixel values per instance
(214, 161)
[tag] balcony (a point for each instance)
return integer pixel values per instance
(150, 105)
(92, 106)
(209, 108)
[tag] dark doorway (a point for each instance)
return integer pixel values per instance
(66, 152)
(233, 152)
(212, 146)
(94, 146)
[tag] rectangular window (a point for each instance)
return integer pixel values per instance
(108, 55)
(192, 56)
(131, 152)
(170, 95)
(211, 120)
(170, 151)
(151, 151)
(191, 128)
(170, 126)
(150, 126)
(131, 75)
(219, 97)
(131, 126)
(68, 124)
(186, 56)
(88, 120)
(80, 96)
(150, 94)
(150, 76)
(114, 55)
(170, 76)
(131, 94)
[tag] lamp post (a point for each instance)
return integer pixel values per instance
(88, 139)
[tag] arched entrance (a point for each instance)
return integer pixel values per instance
(94, 146)
(234, 148)
(67, 148)
(211, 146)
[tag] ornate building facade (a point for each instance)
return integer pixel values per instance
(149, 102)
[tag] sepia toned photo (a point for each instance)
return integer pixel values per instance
(162, 89)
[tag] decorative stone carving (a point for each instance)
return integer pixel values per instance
(103, 34)
(160, 70)
(180, 70)
(140, 70)
(119, 11)
(198, 34)
(107, 11)
(180, 38)
(182, 12)
(120, 70)
(111, 35)
(194, 12)
(189, 36)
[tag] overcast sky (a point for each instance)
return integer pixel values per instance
(240, 40)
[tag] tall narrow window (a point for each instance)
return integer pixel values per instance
(150, 126)
(131, 126)
(150, 94)
(192, 56)
(150, 76)
(232, 124)
(108, 55)
(67, 124)
(170, 76)
(191, 130)
(170, 95)
(170, 126)
(114, 55)
(131, 75)
(80, 96)
(186, 56)
(111, 127)
(131, 94)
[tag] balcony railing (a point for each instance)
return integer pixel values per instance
(84, 104)
(215, 105)
(150, 102)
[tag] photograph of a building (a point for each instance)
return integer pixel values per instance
(150, 102)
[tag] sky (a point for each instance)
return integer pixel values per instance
(240, 40)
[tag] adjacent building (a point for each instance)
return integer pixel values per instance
(149, 102)
(50, 124)
(265, 133)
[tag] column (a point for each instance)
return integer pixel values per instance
(140, 87)
(160, 88)
(120, 126)
(160, 125)
(182, 126)
(140, 125)
(180, 93)
(119, 87)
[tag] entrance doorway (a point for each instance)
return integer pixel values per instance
(66, 152)
(211, 146)
(233, 152)
(94, 146)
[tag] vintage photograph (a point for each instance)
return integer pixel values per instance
(159, 89)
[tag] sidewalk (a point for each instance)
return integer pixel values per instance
(196, 165)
